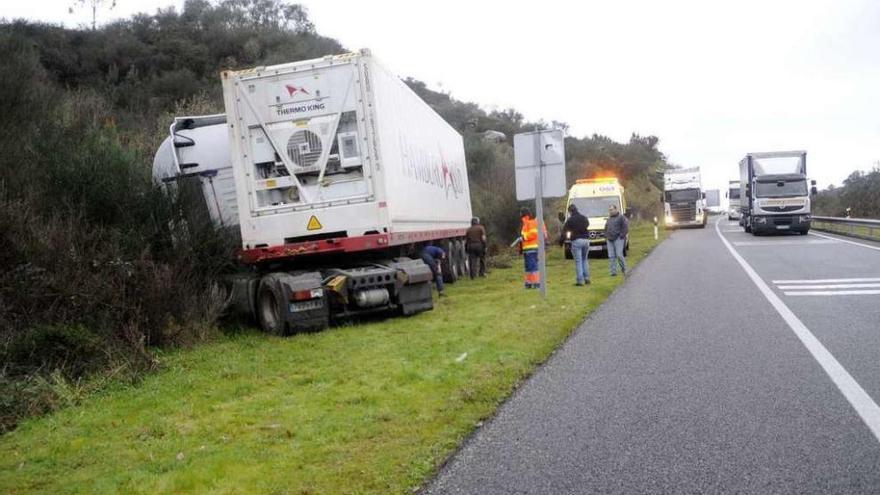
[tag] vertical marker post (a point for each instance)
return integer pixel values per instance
(539, 213)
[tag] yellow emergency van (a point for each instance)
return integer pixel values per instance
(592, 198)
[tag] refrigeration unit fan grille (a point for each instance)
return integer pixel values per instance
(304, 148)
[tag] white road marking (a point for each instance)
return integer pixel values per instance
(875, 248)
(834, 293)
(832, 286)
(779, 243)
(864, 405)
(827, 281)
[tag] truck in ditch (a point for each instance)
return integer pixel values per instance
(684, 202)
(334, 174)
(774, 195)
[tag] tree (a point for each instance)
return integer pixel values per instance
(94, 5)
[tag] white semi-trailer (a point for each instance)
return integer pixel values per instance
(774, 195)
(335, 174)
(683, 198)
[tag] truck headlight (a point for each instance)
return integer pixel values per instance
(760, 220)
(803, 218)
(669, 219)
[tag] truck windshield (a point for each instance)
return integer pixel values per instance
(781, 189)
(683, 195)
(596, 206)
(734, 194)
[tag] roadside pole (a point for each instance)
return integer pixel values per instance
(539, 161)
(655, 228)
(539, 213)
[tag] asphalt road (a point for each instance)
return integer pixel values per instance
(690, 379)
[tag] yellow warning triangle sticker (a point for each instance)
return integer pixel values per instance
(314, 224)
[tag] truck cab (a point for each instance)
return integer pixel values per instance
(684, 202)
(733, 206)
(776, 196)
(592, 198)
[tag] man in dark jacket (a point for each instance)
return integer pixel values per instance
(475, 245)
(575, 229)
(616, 230)
(431, 256)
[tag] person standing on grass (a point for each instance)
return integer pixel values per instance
(431, 256)
(475, 245)
(575, 229)
(616, 230)
(529, 235)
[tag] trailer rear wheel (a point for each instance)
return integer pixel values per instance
(448, 266)
(270, 307)
(464, 264)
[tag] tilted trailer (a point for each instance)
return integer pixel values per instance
(335, 174)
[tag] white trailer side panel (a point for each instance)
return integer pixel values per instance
(421, 158)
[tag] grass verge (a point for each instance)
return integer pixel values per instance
(368, 408)
(858, 231)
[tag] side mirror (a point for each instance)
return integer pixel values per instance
(727, 195)
(813, 182)
(628, 213)
(561, 216)
(703, 195)
(813, 191)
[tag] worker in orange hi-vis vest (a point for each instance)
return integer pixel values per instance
(529, 233)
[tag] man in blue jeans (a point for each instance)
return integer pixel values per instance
(616, 230)
(431, 256)
(575, 229)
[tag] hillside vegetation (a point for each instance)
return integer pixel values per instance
(859, 193)
(90, 284)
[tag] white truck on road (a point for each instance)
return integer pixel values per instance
(684, 202)
(335, 174)
(774, 196)
(733, 205)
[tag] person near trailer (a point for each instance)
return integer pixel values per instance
(575, 229)
(616, 230)
(475, 245)
(529, 243)
(432, 256)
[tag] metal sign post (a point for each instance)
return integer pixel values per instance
(539, 158)
(539, 212)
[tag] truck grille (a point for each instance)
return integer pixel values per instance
(782, 208)
(683, 212)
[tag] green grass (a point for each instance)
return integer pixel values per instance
(368, 408)
(859, 231)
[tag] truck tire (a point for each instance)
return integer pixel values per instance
(270, 308)
(448, 266)
(465, 259)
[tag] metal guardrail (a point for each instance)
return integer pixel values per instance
(863, 228)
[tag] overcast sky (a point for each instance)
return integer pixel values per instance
(713, 80)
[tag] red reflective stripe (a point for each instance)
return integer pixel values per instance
(343, 245)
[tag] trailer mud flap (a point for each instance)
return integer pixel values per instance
(415, 298)
(414, 293)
